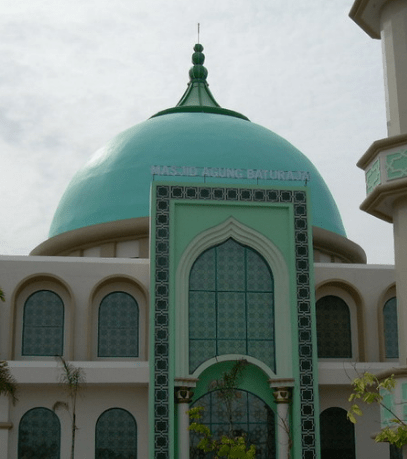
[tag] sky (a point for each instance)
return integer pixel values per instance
(74, 74)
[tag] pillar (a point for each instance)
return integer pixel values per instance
(282, 396)
(393, 25)
(183, 396)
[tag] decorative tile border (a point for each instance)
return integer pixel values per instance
(164, 194)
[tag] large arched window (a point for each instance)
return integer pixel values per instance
(39, 435)
(231, 305)
(337, 435)
(118, 329)
(391, 340)
(246, 415)
(116, 435)
(43, 325)
(333, 328)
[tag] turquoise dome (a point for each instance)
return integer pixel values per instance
(115, 183)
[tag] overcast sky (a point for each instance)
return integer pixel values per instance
(74, 74)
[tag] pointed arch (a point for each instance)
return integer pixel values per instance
(233, 229)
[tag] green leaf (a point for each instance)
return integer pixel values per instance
(355, 408)
(351, 418)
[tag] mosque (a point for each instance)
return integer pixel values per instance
(195, 240)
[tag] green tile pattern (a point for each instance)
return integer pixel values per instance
(396, 165)
(373, 177)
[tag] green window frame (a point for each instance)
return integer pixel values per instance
(116, 435)
(43, 324)
(39, 434)
(118, 326)
(334, 335)
(391, 335)
(231, 305)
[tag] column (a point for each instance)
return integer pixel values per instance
(282, 396)
(393, 26)
(183, 396)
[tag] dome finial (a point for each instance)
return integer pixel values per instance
(198, 71)
(198, 97)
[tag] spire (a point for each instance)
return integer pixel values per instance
(198, 97)
(198, 92)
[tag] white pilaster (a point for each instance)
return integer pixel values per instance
(183, 396)
(282, 396)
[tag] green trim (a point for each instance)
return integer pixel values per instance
(253, 380)
(151, 398)
(201, 109)
(299, 274)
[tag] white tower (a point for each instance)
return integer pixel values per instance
(385, 162)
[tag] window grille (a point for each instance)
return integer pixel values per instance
(43, 324)
(391, 339)
(337, 435)
(116, 435)
(333, 328)
(39, 435)
(251, 417)
(118, 332)
(231, 305)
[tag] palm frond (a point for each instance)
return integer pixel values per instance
(8, 384)
(72, 377)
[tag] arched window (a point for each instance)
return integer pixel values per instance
(231, 305)
(333, 328)
(39, 435)
(250, 416)
(395, 453)
(337, 435)
(116, 435)
(43, 324)
(118, 331)
(391, 337)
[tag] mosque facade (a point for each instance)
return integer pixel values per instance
(193, 243)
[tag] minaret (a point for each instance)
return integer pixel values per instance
(385, 162)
